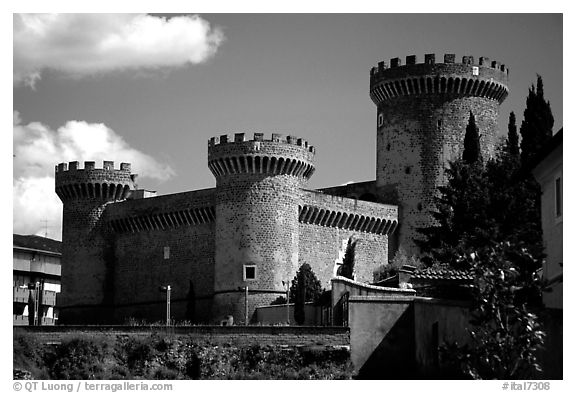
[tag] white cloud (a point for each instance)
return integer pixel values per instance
(37, 149)
(85, 44)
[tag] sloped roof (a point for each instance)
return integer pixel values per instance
(37, 243)
(441, 273)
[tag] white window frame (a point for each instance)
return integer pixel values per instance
(558, 217)
(380, 119)
(244, 272)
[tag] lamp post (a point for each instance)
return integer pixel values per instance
(287, 284)
(167, 289)
(245, 288)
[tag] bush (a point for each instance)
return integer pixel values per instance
(164, 357)
(78, 359)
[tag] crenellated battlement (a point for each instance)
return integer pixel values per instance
(91, 165)
(278, 155)
(430, 59)
(73, 182)
(259, 137)
(469, 78)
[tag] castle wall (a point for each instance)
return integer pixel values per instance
(326, 224)
(164, 240)
(323, 248)
(141, 268)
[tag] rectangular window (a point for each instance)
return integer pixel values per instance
(558, 195)
(249, 272)
(166, 252)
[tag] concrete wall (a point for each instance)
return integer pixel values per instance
(381, 336)
(398, 337)
(437, 322)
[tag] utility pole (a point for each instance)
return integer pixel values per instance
(246, 306)
(45, 227)
(287, 284)
(167, 289)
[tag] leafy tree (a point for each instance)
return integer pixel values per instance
(512, 147)
(347, 267)
(536, 128)
(278, 300)
(505, 336)
(472, 153)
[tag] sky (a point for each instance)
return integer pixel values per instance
(152, 89)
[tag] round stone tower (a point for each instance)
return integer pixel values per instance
(422, 113)
(87, 258)
(258, 184)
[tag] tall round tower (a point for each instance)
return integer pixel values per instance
(87, 258)
(422, 113)
(258, 186)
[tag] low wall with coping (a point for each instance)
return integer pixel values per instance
(234, 335)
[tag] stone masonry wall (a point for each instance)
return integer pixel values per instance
(324, 236)
(142, 267)
(323, 249)
(164, 240)
(258, 185)
(415, 143)
(257, 224)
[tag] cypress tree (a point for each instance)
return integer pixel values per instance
(347, 268)
(305, 277)
(472, 153)
(512, 141)
(536, 128)
(299, 314)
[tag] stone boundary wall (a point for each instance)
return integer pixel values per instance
(237, 335)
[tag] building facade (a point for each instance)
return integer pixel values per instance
(229, 248)
(36, 279)
(548, 172)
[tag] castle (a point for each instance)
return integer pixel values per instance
(260, 223)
